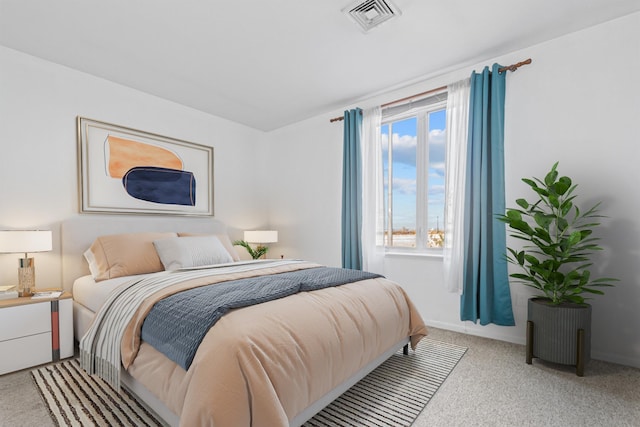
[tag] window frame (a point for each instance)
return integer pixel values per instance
(421, 114)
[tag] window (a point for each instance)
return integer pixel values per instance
(413, 156)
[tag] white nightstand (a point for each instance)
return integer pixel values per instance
(35, 331)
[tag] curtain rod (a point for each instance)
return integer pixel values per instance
(512, 67)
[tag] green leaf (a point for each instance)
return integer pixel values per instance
(585, 233)
(565, 207)
(575, 238)
(593, 211)
(543, 235)
(551, 178)
(541, 191)
(521, 276)
(513, 252)
(531, 259)
(522, 203)
(259, 251)
(562, 186)
(590, 225)
(543, 220)
(606, 279)
(521, 226)
(562, 224)
(583, 280)
(514, 214)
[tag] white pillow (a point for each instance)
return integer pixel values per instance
(193, 251)
(224, 239)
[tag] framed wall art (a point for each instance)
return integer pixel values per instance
(123, 170)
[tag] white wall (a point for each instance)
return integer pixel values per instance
(304, 183)
(578, 103)
(39, 102)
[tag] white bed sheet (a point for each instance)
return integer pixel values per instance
(92, 294)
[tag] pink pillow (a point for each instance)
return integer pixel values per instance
(127, 254)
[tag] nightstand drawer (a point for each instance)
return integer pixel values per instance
(24, 320)
(25, 352)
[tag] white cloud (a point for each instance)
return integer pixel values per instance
(437, 143)
(436, 170)
(437, 136)
(404, 142)
(404, 186)
(404, 148)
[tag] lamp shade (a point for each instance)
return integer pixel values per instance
(24, 241)
(261, 236)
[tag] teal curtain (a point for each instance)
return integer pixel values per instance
(485, 291)
(352, 191)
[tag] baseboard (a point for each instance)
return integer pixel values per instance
(445, 326)
(615, 358)
(463, 329)
(595, 355)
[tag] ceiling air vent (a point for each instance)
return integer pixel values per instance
(369, 14)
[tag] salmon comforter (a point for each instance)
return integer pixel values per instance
(263, 365)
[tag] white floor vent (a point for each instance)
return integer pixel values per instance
(369, 14)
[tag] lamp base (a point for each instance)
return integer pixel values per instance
(26, 277)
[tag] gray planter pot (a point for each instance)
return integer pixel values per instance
(559, 333)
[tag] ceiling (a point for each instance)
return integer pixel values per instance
(267, 64)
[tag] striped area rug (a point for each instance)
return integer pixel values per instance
(392, 395)
(77, 399)
(395, 393)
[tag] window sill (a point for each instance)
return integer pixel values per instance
(413, 254)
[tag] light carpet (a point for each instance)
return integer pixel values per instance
(393, 394)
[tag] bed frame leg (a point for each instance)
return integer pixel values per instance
(405, 349)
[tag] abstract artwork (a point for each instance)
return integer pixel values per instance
(123, 170)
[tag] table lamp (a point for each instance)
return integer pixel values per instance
(25, 241)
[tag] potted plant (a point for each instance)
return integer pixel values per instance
(555, 260)
(254, 253)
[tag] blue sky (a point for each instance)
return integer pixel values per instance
(404, 170)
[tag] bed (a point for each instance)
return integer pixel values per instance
(276, 363)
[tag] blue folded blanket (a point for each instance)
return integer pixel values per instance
(176, 325)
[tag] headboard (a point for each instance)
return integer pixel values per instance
(78, 233)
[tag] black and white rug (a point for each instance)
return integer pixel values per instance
(392, 395)
(395, 393)
(77, 399)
